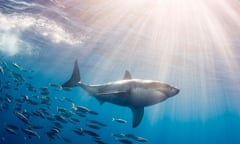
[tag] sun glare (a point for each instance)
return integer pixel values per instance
(199, 36)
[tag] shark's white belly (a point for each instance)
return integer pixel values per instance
(146, 97)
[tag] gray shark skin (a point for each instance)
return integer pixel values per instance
(132, 93)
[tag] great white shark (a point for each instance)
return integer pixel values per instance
(132, 93)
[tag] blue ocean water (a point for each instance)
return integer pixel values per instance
(192, 45)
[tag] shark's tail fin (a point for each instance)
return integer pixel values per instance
(75, 78)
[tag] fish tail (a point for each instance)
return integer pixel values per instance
(74, 106)
(113, 119)
(75, 78)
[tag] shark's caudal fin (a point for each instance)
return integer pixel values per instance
(75, 78)
(137, 116)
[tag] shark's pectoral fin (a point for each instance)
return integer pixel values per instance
(137, 115)
(127, 75)
(100, 101)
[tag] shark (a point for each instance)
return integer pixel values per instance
(128, 92)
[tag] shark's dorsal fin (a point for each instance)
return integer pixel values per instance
(127, 75)
(137, 115)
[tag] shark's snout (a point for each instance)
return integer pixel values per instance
(177, 91)
(174, 91)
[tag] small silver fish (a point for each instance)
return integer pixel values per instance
(14, 127)
(30, 132)
(119, 120)
(121, 135)
(97, 122)
(79, 131)
(124, 141)
(11, 131)
(61, 109)
(17, 66)
(1, 70)
(80, 108)
(93, 126)
(22, 117)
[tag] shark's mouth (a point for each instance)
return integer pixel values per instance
(166, 94)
